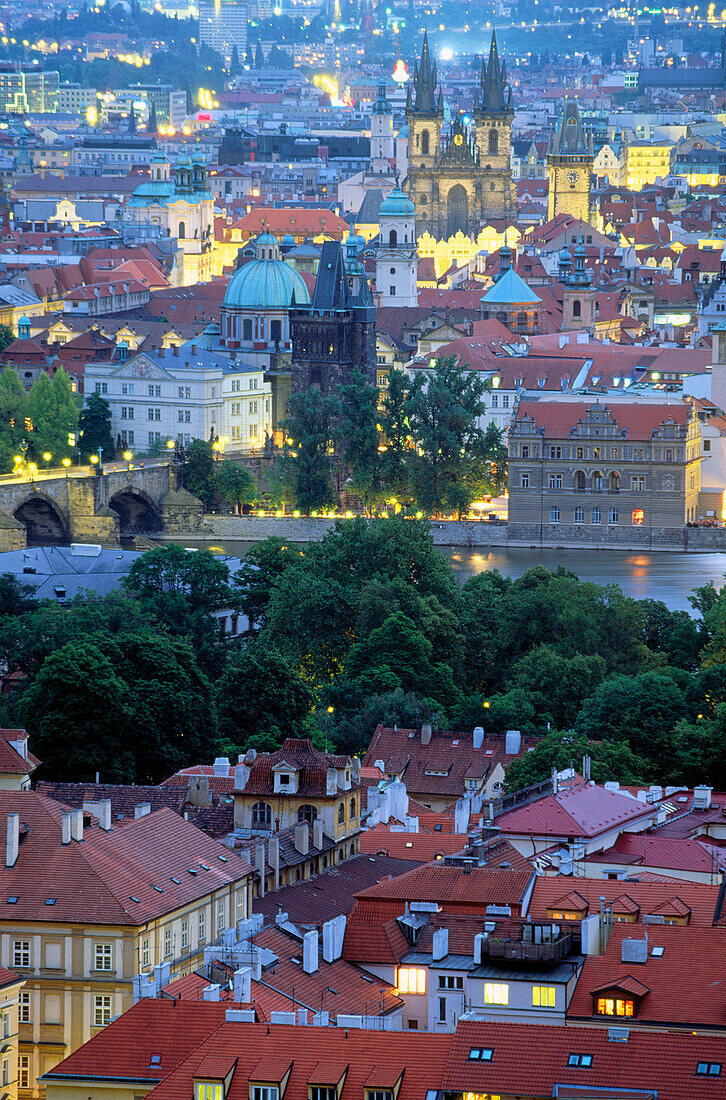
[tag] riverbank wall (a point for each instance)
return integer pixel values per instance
(475, 533)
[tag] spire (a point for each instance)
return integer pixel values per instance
(569, 138)
(440, 103)
(425, 81)
(492, 84)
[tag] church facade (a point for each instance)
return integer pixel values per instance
(462, 179)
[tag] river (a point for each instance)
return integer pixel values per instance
(666, 576)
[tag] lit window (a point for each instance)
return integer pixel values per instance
(614, 1006)
(543, 996)
(411, 979)
(638, 517)
(101, 1011)
(496, 993)
(103, 956)
(208, 1090)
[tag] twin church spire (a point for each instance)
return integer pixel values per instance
(491, 92)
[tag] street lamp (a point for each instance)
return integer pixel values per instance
(329, 711)
(66, 463)
(128, 455)
(46, 458)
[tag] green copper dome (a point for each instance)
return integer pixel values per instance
(266, 284)
(396, 205)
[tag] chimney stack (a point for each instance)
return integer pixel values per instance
(66, 827)
(318, 834)
(104, 813)
(302, 838)
(426, 733)
(261, 865)
(310, 952)
(242, 985)
(77, 824)
(142, 810)
(478, 737)
(273, 858)
(13, 840)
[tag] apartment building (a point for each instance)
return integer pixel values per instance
(10, 986)
(90, 903)
(614, 471)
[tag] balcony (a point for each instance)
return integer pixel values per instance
(513, 950)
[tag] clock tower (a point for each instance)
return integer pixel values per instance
(570, 158)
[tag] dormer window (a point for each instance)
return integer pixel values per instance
(208, 1090)
(263, 1092)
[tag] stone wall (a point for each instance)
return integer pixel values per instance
(308, 529)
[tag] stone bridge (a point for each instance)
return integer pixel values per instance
(92, 504)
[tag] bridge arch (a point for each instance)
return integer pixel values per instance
(44, 522)
(137, 512)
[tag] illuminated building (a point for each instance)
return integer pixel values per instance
(569, 163)
(33, 92)
(223, 25)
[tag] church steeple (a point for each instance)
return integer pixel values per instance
(425, 82)
(493, 80)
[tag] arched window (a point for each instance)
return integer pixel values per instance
(393, 238)
(597, 481)
(352, 808)
(502, 317)
(521, 321)
(493, 142)
(580, 481)
(247, 329)
(638, 517)
(425, 142)
(276, 330)
(307, 813)
(423, 200)
(261, 814)
(341, 813)
(576, 309)
(182, 231)
(614, 483)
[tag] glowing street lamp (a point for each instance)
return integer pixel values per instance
(46, 458)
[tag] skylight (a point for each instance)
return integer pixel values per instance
(584, 1060)
(50, 901)
(708, 1069)
(13, 900)
(134, 899)
(176, 880)
(481, 1054)
(657, 952)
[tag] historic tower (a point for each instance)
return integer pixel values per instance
(396, 256)
(382, 142)
(569, 159)
(578, 294)
(462, 181)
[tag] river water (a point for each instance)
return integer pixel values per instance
(665, 576)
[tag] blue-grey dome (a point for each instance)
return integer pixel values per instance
(266, 284)
(288, 239)
(396, 205)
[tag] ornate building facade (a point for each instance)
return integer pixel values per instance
(569, 163)
(463, 179)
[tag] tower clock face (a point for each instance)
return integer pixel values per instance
(458, 139)
(572, 177)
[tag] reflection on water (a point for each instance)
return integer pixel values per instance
(669, 577)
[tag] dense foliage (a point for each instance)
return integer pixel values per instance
(369, 625)
(45, 417)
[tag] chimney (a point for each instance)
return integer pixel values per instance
(211, 992)
(425, 733)
(478, 948)
(142, 810)
(261, 866)
(221, 766)
(66, 827)
(302, 838)
(513, 742)
(176, 350)
(586, 768)
(242, 985)
(329, 941)
(104, 813)
(273, 858)
(441, 943)
(77, 824)
(318, 834)
(478, 737)
(13, 840)
(310, 952)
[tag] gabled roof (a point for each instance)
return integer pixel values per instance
(637, 420)
(13, 762)
(649, 896)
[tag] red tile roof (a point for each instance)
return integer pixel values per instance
(453, 887)
(637, 420)
(11, 761)
(109, 877)
(650, 896)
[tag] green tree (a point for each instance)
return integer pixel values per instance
(444, 408)
(13, 411)
(260, 572)
(234, 484)
(609, 761)
(201, 576)
(399, 648)
(6, 336)
(95, 428)
(483, 600)
(53, 410)
(555, 685)
(78, 733)
(199, 471)
(641, 710)
(260, 695)
(359, 431)
(306, 462)
(396, 433)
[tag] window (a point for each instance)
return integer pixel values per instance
(580, 452)
(555, 452)
(411, 979)
(638, 517)
(480, 1054)
(425, 142)
(185, 391)
(24, 1071)
(496, 993)
(220, 916)
(253, 408)
(495, 401)
(505, 400)
(5, 1071)
(103, 956)
(451, 981)
(202, 925)
(613, 517)
(167, 941)
(638, 484)
(595, 516)
(322, 1092)
(24, 1008)
(154, 391)
(493, 142)
(584, 1060)
(708, 1069)
(153, 414)
(209, 1090)
(576, 308)
(525, 451)
(259, 1092)
(614, 1006)
(6, 1025)
(543, 996)
(101, 387)
(341, 814)
(352, 809)
(597, 481)
(261, 814)
(184, 935)
(127, 389)
(442, 1010)
(524, 480)
(706, 447)
(554, 514)
(579, 515)
(247, 329)
(144, 954)
(101, 1010)
(126, 437)
(21, 953)
(580, 481)
(307, 813)
(555, 481)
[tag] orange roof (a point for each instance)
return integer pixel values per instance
(299, 221)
